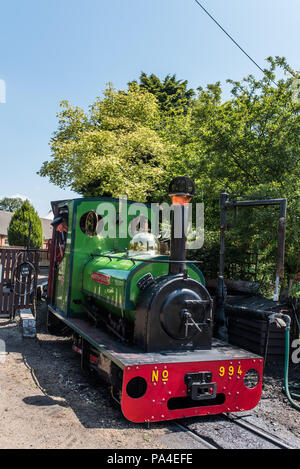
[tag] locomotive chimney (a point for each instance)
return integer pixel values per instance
(181, 191)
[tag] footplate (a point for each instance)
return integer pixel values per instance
(200, 387)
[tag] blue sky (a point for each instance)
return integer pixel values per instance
(69, 49)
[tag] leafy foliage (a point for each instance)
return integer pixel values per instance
(112, 150)
(10, 204)
(18, 229)
(173, 95)
(252, 148)
(133, 142)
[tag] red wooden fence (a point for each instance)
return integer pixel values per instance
(15, 288)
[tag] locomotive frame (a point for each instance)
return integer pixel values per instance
(150, 386)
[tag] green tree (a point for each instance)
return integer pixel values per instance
(252, 139)
(249, 145)
(18, 229)
(10, 204)
(173, 95)
(133, 142)
(112, 150)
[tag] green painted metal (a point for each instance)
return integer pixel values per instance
(80, 247)
(88, 337)
(85, 256)
(113, 282)
(63, 278)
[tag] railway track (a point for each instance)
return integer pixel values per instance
(276, 441)
(203, 442)
(257, 436)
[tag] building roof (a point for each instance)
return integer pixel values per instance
(5, 218)
(49, 216)
(47, 228)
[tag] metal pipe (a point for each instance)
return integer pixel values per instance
(181, 191)
(225, 203)
(144, 259)
(178, 239)
(281, 239)
(224, 198)
(220, 317)
(253, 203)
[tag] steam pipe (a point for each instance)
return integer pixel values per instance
(181, 191)
(178, 239)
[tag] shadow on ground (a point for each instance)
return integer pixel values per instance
(55, 370)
